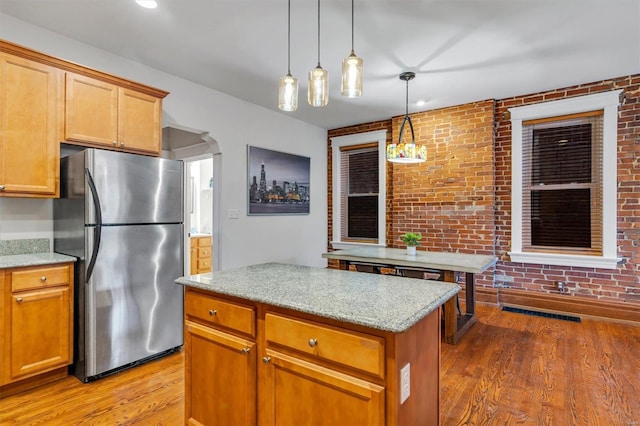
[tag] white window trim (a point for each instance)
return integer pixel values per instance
(338, 142)
(607, 101)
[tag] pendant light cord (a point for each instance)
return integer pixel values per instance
(289, 39)
(352, 23)
(318, 33)
(406, 100)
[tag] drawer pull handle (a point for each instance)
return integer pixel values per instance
(115, 143)
(313, 342)
(266, 360)
(246, 350)
(1, 187)
(19, 299)
(122, 144)
(213, 312)
(43, 278)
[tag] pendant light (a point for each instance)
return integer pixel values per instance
(351, 70)
(288, 86)
(318, 94)
(406, 152)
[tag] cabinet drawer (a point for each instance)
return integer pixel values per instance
(204, 241)
(353, 349)
(218, 312)
(204, 264)
(204, 252)
(29, 278)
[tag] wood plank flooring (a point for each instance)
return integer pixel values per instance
(509, 369)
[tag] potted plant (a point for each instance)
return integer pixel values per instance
(412, 240)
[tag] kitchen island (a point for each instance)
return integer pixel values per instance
(278, 344)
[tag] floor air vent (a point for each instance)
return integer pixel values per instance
(541, 314)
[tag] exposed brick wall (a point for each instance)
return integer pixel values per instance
(450, 198)
(620, 285)
(460, 199)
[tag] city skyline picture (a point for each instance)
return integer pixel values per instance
(278, 182)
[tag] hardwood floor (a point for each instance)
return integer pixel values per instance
(509, 369)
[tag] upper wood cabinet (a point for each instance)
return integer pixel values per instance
(106, 115)
(30, 127)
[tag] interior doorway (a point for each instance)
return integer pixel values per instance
(202, 159)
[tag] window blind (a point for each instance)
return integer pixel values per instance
(562, 184)
(359, 197)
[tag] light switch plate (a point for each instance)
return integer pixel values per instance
(405, 383)
(233, 214)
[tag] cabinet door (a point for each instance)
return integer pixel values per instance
(220, 379)
(298, 392)
(139, 122)
(40, 332)
(91, 111)
(193, 256)
(30, 127)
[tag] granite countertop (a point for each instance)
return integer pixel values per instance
(29, 252)
(33, 259)
(382, 302)
(445, 261)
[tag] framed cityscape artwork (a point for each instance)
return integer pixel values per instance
(278, 183)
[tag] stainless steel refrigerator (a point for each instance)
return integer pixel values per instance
(121, 216)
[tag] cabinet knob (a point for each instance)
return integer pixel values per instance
(313, 342)
(266, 360)
(19, 299)
(246, 350)
(213, 312)
(115, 143)
(43, 278)
(122, 144)
(1, 187)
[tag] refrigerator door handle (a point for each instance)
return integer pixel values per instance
(97, 230)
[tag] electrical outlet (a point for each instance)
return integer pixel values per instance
(405, 383)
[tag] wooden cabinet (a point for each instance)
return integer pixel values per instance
(106, 115)
(220, 362)
(354, 399)
(30, 127)
(37, 324)
(200, 255)
(251, 363)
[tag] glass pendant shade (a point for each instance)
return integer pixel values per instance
(318, 95)
(288, 93)
(351, 76)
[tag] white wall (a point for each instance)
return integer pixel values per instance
(233, 124)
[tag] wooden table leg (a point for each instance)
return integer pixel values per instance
(343, 265)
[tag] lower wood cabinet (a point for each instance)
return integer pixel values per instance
(330, 397)
(36, 323)
(248, 363)
(221, 377)
(200, 255)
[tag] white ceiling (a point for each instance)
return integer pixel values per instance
(461, 51)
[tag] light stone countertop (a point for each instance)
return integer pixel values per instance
(382, 302)
(446, 261)
(33, 259)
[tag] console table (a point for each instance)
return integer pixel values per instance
(446, 263)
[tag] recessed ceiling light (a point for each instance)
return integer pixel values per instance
(149, 4)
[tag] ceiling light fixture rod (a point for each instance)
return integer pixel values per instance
(289, 37)
(318, 32)
(406, 77)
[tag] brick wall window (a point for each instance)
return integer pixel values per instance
(564, 182)
(358, 189)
